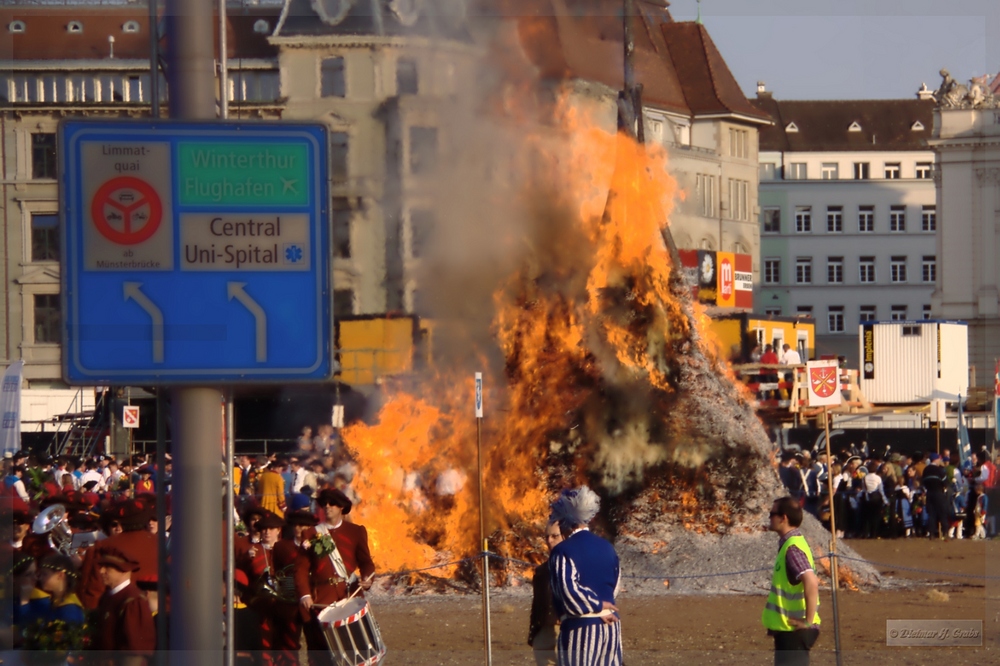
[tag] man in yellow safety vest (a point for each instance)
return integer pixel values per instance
(794, 594)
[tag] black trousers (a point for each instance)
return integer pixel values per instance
(791, 648)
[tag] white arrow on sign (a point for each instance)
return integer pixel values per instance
(132, 291)
(236, 290)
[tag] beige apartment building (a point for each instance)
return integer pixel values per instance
(967, 143)
(393, 87)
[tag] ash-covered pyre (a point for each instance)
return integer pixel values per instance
(597, 367)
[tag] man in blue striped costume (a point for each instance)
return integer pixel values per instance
(584, 574)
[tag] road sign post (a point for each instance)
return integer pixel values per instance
(195, 252)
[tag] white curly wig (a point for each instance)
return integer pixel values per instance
(576, 506)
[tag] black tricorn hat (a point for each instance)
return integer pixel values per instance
(335, 497)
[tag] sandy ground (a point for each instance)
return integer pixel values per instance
(679, 629)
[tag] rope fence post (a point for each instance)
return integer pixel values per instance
(487, 642)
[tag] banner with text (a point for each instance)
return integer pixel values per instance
(10, 407)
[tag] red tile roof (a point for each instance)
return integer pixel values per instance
(46, 38)
(677, 63)
(886, 124)
(709, 87)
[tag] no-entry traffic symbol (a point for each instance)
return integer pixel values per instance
(132, 205)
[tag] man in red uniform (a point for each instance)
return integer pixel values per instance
(124, 621)
(270, 565)
(135, 542)
(321, 578)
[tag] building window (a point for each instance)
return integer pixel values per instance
(48, 319)
(803, 271)
(423, 150)
(772, 220)
(343, 302)
(704, 185)
(804, 311)
(866, 313)
(834, 219)
(835, 270)
(866, 219)
(862, 171)
(803, 219)
(835, 318)
(766, 171)
(261, 27)
(924, 170)
(797, 171)
(772, 312)
(421, 229)
(928, 218)
(892, 171)
(866, 270)
(912, 331)
(338, 156)
(332, 80)
(897, 218)
(739, 143)
(16, 26)
(739, 199)
(74, 27)
(44, 237)
(897, 269)
(927, 311)
(132, 26)
(341, 228)
(928, 269)
(406, 77)
(830, 171)
(897, 313)
(772, 271)
(43, 155)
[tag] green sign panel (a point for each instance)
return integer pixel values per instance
(270, 174)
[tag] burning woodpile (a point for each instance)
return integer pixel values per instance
(597, 371)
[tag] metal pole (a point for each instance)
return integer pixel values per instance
(834, 577)
(161, 525)
(487, 638)
(154, 60)
(223, 64)
(196, 558)
(230, 533)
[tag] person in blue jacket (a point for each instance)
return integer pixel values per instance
(584, 573)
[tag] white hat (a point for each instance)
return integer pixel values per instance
(576, 507)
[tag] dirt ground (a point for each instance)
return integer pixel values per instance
(676, 629)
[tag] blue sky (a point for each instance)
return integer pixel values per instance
(850, 49)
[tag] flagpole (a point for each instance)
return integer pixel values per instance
(834, 577)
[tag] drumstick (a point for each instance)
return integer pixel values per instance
(355, 592)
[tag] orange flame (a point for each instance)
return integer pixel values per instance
(591, 306)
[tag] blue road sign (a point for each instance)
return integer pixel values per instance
(194, 252)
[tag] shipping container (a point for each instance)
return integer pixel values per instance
(905, 362)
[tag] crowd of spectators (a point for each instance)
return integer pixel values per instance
(890, 495)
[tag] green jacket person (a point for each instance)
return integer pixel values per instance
(794, 594)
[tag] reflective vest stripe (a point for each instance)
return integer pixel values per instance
(791, 596)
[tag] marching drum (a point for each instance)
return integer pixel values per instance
(352, 633)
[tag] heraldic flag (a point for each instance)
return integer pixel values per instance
(823, 378)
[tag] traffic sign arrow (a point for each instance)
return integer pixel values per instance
(132, 291)
(235, 290)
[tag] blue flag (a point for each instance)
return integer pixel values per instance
(964, 447)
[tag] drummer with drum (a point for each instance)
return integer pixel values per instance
(333, 550)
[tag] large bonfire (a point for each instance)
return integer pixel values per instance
(597, 368)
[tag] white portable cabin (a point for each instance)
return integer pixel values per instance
(913, 361)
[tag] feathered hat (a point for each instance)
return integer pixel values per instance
(576, 506)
